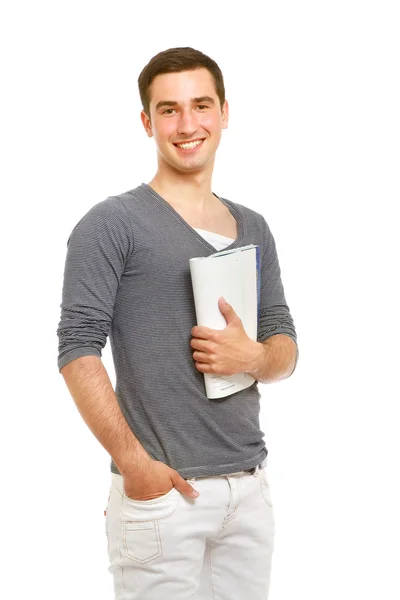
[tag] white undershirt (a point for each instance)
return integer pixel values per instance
(215, 239)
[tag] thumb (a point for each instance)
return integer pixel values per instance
(183, 486)
(226, 309)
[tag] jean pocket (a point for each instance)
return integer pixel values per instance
(265, 490)
(142, 541)
(140, 522)
(152, 500)
(150, 510)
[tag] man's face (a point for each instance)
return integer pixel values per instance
(184, 107)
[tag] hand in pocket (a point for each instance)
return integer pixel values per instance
(153, 480)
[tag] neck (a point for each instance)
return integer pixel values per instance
(193, 191)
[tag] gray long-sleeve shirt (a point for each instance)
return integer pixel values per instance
(127, 276)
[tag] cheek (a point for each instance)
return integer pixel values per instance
(165, 130)
(212, 125)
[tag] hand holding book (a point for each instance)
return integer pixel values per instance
(230, 332)
(224, 353)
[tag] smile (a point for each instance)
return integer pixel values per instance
(189, 146)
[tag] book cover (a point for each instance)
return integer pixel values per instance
(235, 275)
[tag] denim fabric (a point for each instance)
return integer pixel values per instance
(218, 546)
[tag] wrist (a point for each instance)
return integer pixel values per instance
(133, 461)
(258, 358)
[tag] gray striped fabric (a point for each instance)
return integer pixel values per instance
(127, 277)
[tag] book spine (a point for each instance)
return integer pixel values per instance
(258, 276)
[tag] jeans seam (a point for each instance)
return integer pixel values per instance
(119, 545)
(118, 490)
(209, 564)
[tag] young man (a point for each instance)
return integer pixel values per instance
(127, 275)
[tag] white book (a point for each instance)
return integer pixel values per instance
(235, 275)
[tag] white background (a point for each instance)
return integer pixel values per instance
(312, 144)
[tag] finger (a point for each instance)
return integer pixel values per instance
(201, 357)
(199, 344)
(202, 332)
(204, 367)
(183, 486)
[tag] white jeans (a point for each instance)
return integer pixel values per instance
(215, 547)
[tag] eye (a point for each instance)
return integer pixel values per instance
(202, 106)
(168, 109)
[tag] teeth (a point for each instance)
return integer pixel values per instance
(191, 145)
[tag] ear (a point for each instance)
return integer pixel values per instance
(225, 115)
(146, 123)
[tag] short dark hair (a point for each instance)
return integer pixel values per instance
(175, 60)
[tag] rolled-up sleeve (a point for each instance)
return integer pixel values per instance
(274, 315)
(97, 250)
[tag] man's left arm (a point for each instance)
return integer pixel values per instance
(273, 359)
(277, 350)
(273, 356)
(230, 351)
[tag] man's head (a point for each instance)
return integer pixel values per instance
(176, 60)
(183, 97)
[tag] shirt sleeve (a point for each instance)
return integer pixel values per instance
(274, 316)
(97, 250)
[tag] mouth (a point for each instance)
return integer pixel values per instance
(189, 147)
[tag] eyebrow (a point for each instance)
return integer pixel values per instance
(193, 100)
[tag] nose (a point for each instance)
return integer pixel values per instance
(187, 122)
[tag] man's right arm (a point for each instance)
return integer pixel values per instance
(91, 389)
(98, 249)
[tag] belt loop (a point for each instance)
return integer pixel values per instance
(256, 471)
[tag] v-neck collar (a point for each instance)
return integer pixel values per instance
(230, 206)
